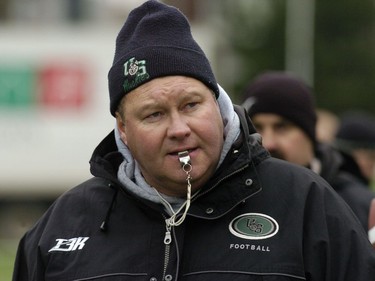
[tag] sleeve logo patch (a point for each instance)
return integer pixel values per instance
(254, 226)
(69, 245)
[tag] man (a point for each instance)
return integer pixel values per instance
(355, 138)
(281, 107)
(183, 190)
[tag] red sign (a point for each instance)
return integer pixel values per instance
(63, 85)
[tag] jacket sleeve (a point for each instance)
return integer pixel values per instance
(336, 248)
(28, 265)
(20, 265)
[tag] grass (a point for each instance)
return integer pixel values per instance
(8, 250)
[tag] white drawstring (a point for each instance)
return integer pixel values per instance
(172, 220)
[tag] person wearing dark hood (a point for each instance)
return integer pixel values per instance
(355, 138)
(182, 188)
(282, 109)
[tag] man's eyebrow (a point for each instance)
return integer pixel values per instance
(147, 105)
(189, 96)
(192, 94)
(285, 122)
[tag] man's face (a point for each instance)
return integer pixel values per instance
(168, 115)
(283, 139)
(365, 159)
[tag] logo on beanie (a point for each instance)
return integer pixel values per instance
(135, 73)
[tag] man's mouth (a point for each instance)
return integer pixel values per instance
(175, 153)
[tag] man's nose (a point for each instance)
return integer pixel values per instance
(178, 127)
(268, 140)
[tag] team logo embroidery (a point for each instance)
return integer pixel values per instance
(69, 245)
(254, 226)
(135, 73)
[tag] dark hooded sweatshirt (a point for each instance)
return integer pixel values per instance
(356, 194)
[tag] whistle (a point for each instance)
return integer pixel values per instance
(184, 158)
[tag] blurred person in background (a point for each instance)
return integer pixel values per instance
(282, 109)
(355, 138)
(326, 125)
(182, 188)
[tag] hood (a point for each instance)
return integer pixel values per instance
(350, 166)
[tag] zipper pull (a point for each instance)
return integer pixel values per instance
(168, 236)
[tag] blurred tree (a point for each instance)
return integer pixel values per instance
(344, 56)
(255, 33)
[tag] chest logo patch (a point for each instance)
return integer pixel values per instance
(254, 226)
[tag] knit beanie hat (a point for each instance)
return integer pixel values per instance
(285, 95)
(155, 41)
(356, 131)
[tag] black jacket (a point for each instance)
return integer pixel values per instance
(354, 192)
(258, 218)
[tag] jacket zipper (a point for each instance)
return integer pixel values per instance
(167, 243)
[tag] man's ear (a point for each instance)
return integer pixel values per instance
(121, 128)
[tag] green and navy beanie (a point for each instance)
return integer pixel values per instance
(155, 41)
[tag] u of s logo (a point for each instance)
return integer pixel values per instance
(133, 67)
(135, 74)
(254, 226)
(68, 245)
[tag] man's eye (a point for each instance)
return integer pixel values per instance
(191, 105)
(154, 116)
(283, 127)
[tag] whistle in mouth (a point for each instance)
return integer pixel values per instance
(184, 158)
